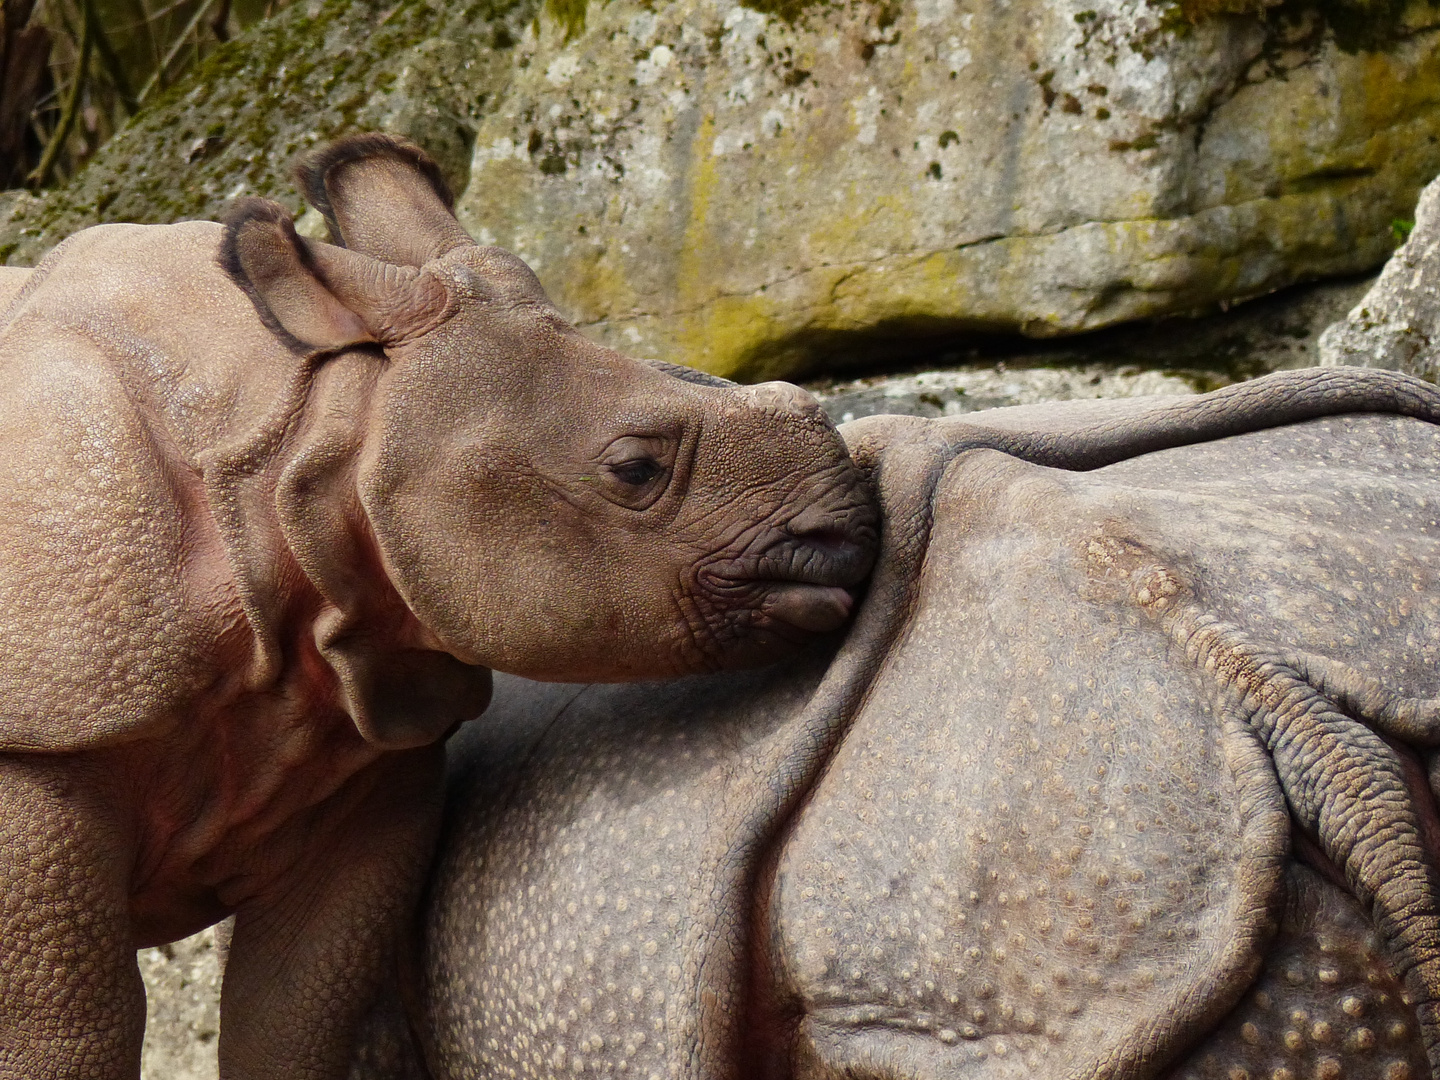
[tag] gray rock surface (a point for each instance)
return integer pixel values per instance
(708, 183)
(1397, 324)
(966, 390)
(1172, 357)
(764, 189)
(182, 1009)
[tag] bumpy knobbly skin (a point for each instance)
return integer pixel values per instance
(272, 510)
(1081, 838)
(1326, 1004)
(1120, 772)
(12, 280)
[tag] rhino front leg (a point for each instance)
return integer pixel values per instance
(306, 957)
(72, 1004)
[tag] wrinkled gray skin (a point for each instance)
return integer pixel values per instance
(1121, 771)
(271, 512)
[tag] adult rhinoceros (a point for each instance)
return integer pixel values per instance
(1120, 771)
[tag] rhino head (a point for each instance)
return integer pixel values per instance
(545, 506)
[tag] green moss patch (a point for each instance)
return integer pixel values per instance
(236, 125)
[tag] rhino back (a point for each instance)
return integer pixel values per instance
(184, 342)
(1325, 535)
(1033, 831)
(127, 355)
(92, 546)
(1047, 846)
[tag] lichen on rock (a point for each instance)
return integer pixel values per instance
(1397, 324)
(713, 184)
(755, 188)
(235, 126)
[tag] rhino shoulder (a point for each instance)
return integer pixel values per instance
(99, 547)
(1077, 768)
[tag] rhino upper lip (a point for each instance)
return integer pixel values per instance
(831, 560)
(801, 574)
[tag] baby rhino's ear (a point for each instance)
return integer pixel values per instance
(383, 196)
(317, 297)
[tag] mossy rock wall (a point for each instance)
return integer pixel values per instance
(770, 192)
(420, 68)
(757, 197)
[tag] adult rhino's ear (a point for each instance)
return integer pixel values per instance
(318, 297)
(690, 374)
(382, 196)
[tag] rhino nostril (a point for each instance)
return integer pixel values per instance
(828, 525)
(826, 535)
(830, 546)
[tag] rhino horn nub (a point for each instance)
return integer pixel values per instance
(383, 196)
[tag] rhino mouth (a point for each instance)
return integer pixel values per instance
(816, 609)
(806, 582)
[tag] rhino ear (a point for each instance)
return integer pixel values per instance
(382, 196)
(318, 297)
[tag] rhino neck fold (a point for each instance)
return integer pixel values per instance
(307, 572)
(395, 681)
(905, 477)
(241, 476)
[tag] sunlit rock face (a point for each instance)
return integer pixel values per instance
(805, 188)
(707, 181)
(1397, 323)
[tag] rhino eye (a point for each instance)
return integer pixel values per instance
(635, 469)
(637, 473)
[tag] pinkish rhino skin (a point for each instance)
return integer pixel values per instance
(272, 510)
(1119, 772)
(12, 279)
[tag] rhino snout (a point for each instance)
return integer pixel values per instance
(840, 554)
(804, 574)
(830, 559)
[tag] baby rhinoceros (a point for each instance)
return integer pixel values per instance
(271, 510)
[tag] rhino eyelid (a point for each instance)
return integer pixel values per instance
(637, 472)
